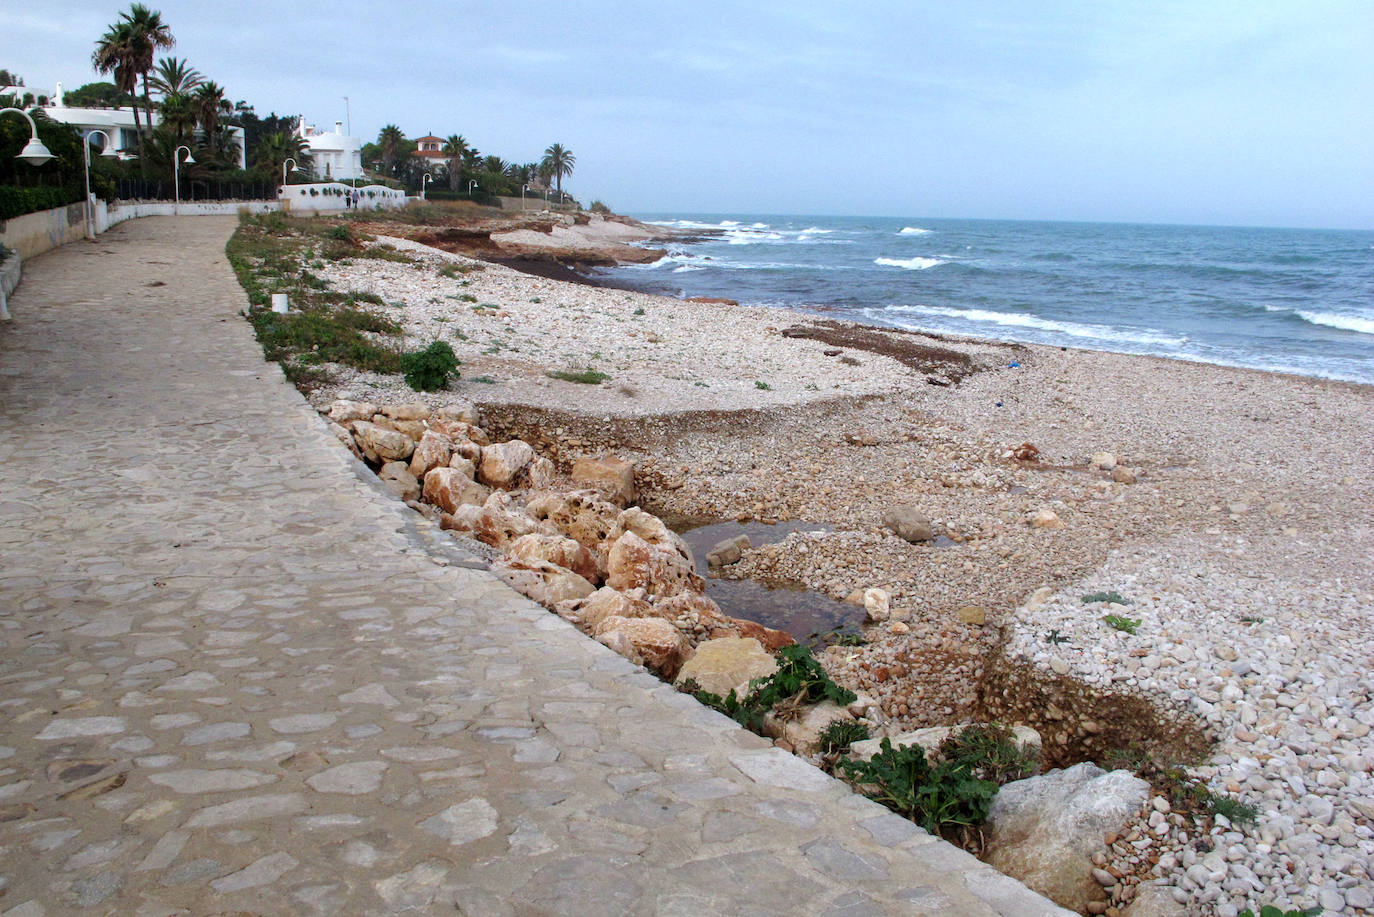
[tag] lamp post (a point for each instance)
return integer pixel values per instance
(107, 150)
(522, 197)
(34, 152)
(176, 173)
(283, 170)
(424, 181)
(472, 183)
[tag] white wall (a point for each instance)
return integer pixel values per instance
(298, 199)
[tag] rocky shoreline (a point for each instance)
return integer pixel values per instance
(1209, 499)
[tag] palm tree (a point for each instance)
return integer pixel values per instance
(273, 150)
(178, 116)
(175, 75)
(115, 53)
(208, 103)
(149, 33)
(390, 139)
(455, 147)
(495, 164)
(559, 162)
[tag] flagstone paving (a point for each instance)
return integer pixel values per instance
(239, 677)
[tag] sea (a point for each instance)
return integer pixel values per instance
(1289, 300)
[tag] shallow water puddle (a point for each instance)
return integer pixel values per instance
(800, 612)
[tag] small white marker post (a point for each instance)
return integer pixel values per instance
(279, 303)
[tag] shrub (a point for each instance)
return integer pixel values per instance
(587, 376)
(429, 370)
(598, 207)
(836, 738)
(1126, 625)
(1113, 597)
(15, 202)
(1269, 910)
(940, 799)
(990, 752)
(762, 386)
(800, 679)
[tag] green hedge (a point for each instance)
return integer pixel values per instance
(15, 202)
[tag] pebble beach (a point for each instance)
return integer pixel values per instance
(1229, 510)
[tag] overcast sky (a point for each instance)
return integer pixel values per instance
(1246, 112)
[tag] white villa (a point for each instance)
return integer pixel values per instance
(116, 123)
(333, 154)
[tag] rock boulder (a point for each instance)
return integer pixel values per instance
(723, 664)
(502, 463)
(381, 445)
(546, 583)
(1044, 830)
(449, 488)
(909, 523)
(555, 549)
(609, 476)
(635, 563)
(657, 642)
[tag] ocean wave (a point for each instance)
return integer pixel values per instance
(697, 224)
(910, 264)
(751, 236)
(1147, 336)
(1356, 323)
(913, 231)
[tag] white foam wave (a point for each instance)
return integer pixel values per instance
(1343, 322)
(815, 231)
(912, 231)
(751, 236)
(1146, 336)
(910, 264)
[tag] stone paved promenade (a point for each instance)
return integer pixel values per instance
(239, 678)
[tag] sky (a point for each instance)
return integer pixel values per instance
(1247, 113)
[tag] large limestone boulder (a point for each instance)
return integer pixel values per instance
(342, 411)
(381, 445)
(459, 430)
(499, 521)
(722, 665)
(877, 605)
(456, 412)
(1044, 830)
(544, 582)
(502, 463)
(342, 435)
(581, 515)
(556, 549)
(772, 640)
(398, 479)
(909, 523)
(448, 489)
(803, 730)
(411, 428)
(434, 450)
(409, 411)
(1154, 901)
(1027, 741)
(609, 476)
(634, 563)
(652, 529)
(604, 603)
(657, 642)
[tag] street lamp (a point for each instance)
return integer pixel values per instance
(472, 183)
(34, 152)
(107, 150)
(424, 181)
(522, 197)
(283, 170)
(176, 173)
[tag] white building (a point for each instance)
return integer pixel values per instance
(117, 123)
(333, 154)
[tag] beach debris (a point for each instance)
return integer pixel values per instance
(937, 379)
(1026, 452)
(1123, 475)
(973, 614)
(1106, 461)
